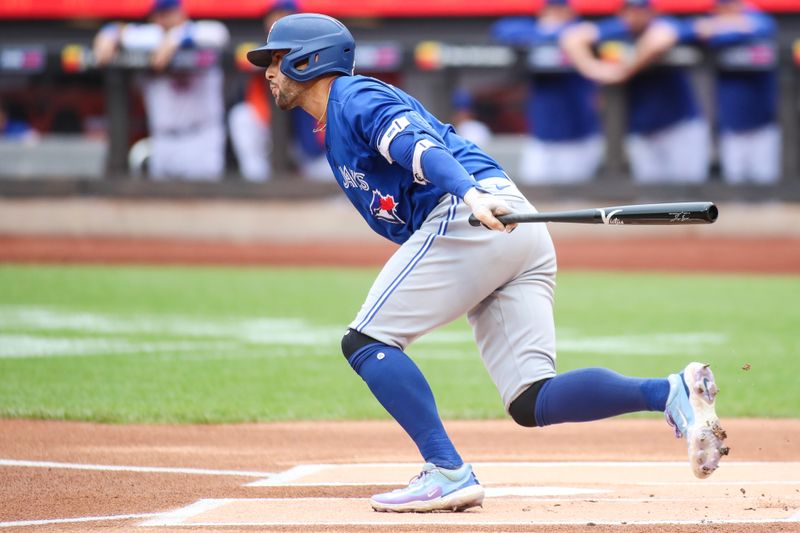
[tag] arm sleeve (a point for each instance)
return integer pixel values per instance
(431, 162)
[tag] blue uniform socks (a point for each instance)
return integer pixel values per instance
(595, 393)
(575, 396)
(404, 392)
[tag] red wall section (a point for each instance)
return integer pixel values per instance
(60, 9)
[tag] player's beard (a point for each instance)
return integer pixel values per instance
(286, 94)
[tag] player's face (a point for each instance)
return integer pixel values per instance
(285, 90)
(169, 18)
(637, 18)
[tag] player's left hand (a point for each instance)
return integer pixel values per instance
(485, 206)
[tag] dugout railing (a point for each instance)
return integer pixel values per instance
(460, 56)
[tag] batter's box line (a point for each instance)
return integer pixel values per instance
(140, 469)
(181, 517)
(291, 476)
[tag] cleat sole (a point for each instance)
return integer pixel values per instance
(457, 501)
(705, 437)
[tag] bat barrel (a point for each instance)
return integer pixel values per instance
(712, 213)
(660, 214)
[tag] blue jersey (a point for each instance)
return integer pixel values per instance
(657, 97)
(746, 100)
(364, 116)
(561, 106)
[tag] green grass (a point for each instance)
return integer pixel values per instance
(125, 344)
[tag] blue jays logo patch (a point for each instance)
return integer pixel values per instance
(384, 208)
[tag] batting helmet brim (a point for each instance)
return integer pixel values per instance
(262, 56)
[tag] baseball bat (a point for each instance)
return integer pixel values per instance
(666, 214)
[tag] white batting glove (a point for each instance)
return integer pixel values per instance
(485, 206)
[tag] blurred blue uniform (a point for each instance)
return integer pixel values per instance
(561, 108)
(747, 100)
(667, 136)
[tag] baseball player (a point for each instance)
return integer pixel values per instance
(667, 139)
(416, 182)
(746, 100)
(185, 110)
(565, 144)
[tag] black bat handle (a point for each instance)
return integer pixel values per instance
(474, 222)
(505, 219)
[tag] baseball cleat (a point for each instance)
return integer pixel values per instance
(433, 489)
(690, 411)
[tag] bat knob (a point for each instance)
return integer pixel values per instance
(473, 221)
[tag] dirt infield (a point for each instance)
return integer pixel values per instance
(616, 475)
(765, 255)
(631, 477)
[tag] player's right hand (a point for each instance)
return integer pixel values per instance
(485, 206)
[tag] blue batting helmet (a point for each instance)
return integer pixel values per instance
(318, 44)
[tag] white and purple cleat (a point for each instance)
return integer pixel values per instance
(690, 411)
(433, 489)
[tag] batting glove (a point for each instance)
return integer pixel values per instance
(485, 206)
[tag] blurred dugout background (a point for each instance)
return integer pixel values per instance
(84, 123)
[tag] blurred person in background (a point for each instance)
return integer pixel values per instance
(746, 100)
(464, 120)
(185, 110)
(667, 137)
(251, 130)
(14, 127)
(249, 120)
(566, 144)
